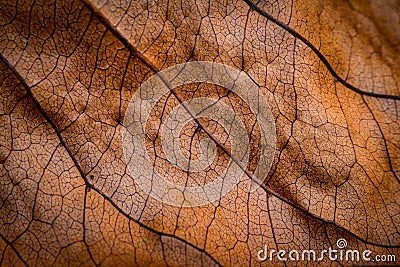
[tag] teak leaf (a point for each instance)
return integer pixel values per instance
(329, 71)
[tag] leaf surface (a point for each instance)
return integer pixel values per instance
(70, 68)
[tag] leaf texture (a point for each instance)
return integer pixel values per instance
(329, 71)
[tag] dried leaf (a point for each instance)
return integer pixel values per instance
(328, 70)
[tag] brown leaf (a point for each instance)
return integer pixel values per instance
(329, 71)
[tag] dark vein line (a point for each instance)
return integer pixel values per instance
(161, 234)
(271, 222)
(268, 190)
(79, 168)
(318, 53)
(118, 35)
(384, 139)
(43, 112)
(312, 215)
(13, 248)
(84, 228)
